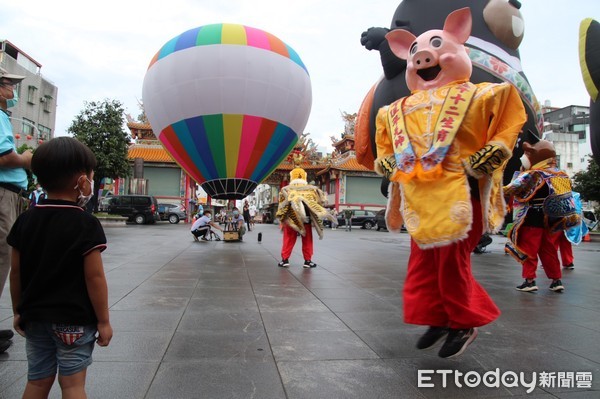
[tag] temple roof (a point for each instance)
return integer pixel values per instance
(345, 137)
(139, 125)
(347, 161)
(351, 163)
(149, 153)
(306, 165)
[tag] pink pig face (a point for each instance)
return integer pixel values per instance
(437, 57)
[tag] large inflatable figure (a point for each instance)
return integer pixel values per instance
(497, 31)
(443, 148)
(589, 58)
(228, 102)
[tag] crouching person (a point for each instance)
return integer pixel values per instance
(201, 227)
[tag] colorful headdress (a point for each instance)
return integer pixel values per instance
(298, 172)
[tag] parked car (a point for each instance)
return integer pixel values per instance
(171, 212)
(380, 220)
(590, 219)
(103, 204)
(140, 209)
(360, 217)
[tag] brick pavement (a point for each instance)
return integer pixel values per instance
(221, 320)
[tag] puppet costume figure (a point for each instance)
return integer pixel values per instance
(300, 208)
(545, 208)
(443, 148)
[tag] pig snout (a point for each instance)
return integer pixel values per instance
(426, 64)
(425, 59)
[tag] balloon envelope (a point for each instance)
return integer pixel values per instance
(228, 102)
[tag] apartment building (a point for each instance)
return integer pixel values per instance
(569, 129)
(34, 116)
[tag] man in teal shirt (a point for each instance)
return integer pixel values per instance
(13, 180)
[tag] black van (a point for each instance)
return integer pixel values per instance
(140, 209)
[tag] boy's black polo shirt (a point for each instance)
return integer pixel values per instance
(52, 239)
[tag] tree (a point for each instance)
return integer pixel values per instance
(587, 182)
(30, 179)
(100, 127)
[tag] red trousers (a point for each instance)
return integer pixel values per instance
(440, 289)
(289, 240)
(537, 241)
(566, 250)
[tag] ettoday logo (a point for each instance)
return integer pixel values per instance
(508, 379)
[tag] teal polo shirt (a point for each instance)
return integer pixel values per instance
(16, 176)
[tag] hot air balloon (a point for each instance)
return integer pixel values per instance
(228, 102)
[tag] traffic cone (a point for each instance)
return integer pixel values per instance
(587, 238)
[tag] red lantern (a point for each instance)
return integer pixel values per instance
(40, 141)
(18, 136)
(29, 137)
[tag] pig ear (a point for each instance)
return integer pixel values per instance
(400, 41)
(458, 24)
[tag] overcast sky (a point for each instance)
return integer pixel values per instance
(98, 50)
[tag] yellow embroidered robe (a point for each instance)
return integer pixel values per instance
(436, 207)
(295, 200)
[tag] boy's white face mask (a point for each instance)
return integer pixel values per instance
(82, 200)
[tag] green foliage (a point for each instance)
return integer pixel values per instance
(100, 127)
(587, 182)
(30, 177)
(24, 147)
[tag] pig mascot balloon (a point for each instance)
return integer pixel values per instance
(497, 31)
(443, 149)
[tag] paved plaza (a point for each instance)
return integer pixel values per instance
(221, 320)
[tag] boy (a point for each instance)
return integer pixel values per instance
(57, 282)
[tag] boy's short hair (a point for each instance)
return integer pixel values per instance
(57, 161)
(207, 211)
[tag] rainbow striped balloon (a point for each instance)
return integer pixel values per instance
(228, 102)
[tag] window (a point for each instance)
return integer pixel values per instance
(45, 132)
(331, 187)
(569, 165)
(31, 93)
(141, 201)
(18, 89)
(46, 101)
(27, 126)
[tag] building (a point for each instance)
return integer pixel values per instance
(347, 183)
(569, 129)
(34, 116)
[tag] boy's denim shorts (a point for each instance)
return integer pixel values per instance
(52, 346)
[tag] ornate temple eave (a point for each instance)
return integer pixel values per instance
(150, 153)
